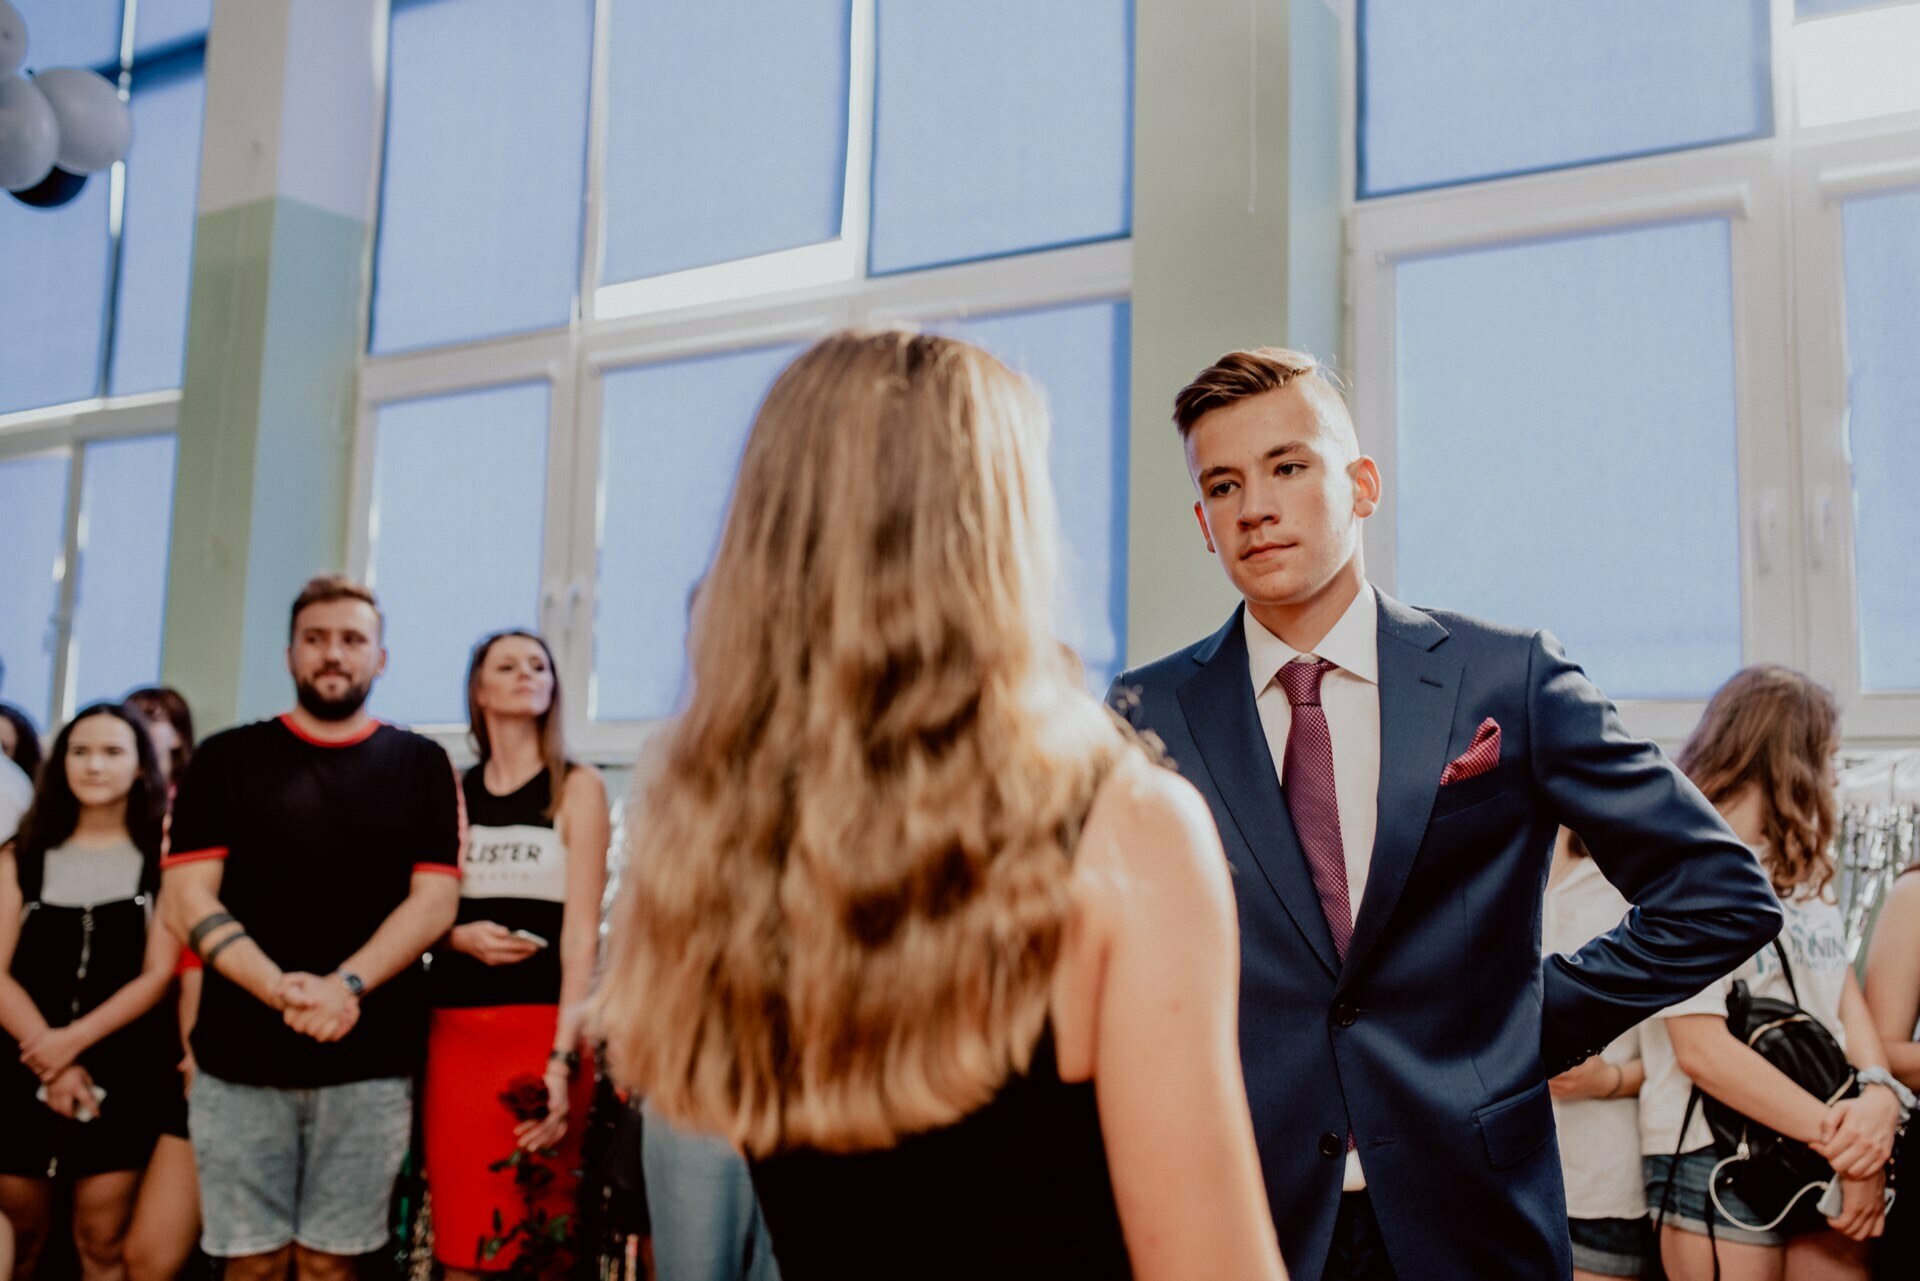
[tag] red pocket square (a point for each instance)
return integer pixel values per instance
(1480, 757)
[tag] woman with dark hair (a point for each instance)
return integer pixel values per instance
(19, 740)
(1763, 755)
(166, 1214)
(84, 971)
(169, 724)
(504, 1072)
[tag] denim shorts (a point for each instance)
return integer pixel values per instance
(1611, 1247)
(1691, 1204)
(314, 1167)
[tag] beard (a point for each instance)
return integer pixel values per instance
(320, 707)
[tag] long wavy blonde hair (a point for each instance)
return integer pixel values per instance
(848, 872)
(1775, 729)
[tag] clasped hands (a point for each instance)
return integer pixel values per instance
(316, 1005)
(1856, 1138)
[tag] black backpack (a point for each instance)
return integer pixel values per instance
(1780, 1178)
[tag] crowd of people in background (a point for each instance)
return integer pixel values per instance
(904, 910)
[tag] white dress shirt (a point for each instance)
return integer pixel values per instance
(1350, 697)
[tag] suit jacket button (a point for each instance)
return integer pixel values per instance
(1344, 1014)
(1330, 1144)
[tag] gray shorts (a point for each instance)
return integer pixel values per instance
(313, 1167)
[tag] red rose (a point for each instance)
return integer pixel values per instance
(526, 1097)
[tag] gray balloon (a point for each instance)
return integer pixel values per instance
(29, 134)
(13, 39)
(95, 127)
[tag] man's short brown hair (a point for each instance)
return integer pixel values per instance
(1240, 375)
(330, 587)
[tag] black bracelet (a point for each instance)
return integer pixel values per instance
(198, 934)
(213, 953)
(569, 1057)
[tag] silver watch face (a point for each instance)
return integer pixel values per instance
(354, 983)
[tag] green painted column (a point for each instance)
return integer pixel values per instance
(1236, 243)
(278, 301)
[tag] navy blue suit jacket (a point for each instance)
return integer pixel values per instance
(1433, 1041)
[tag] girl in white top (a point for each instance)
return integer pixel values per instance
(1594, 1104)
(1763, 755)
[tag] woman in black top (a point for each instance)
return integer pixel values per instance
(509, 984)
(19, 740)
(89, 1059)
(908, 917)
(166, 1215)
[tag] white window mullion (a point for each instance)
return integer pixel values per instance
(60, 626)
(1825, 175)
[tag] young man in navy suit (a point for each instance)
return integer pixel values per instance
(1388, 782)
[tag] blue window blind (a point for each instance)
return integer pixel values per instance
(1883, 386)
(459, 511)
(126, 512)
(1078, 357)
(1000, 126)
(71, 33)
(727, 131)
(1566, 450)
(54, 263)
(1477, 89)
(484, 177)
(33, 494)
(156, 249)
(671, 444)
(160, 24)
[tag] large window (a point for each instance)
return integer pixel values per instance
(92, 352)
(570, 341)
(1577, 337)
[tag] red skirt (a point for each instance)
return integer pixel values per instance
(474, 1057)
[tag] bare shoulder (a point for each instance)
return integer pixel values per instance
(1902, 906)
(1150, 828)
(584, 786)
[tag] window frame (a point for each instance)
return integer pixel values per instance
(792, 295)
(74, 426)
(1780, 194)
(71, 430)
(1842, 164)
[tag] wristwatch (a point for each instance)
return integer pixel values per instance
(1880, 1076)
(356, 985)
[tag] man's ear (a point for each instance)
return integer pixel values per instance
(380, 668)
(1366, 486)
(1206, 534)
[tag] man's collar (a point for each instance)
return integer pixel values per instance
(1352, 644)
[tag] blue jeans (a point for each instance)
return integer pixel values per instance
(706, 1221)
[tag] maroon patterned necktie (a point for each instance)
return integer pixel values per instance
(1307, 780)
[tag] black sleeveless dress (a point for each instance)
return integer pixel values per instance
(1018, 1189)
(71, 958)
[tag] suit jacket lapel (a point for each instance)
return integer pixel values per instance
(1218, 704)
(1418, 691)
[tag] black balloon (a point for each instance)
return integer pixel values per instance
(52, 191)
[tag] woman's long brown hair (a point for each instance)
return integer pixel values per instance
(552, 722)
(848, 871)
(1774, 729)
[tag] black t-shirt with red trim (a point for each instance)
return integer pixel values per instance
(319, 844)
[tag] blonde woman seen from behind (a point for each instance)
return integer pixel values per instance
(908, 919)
